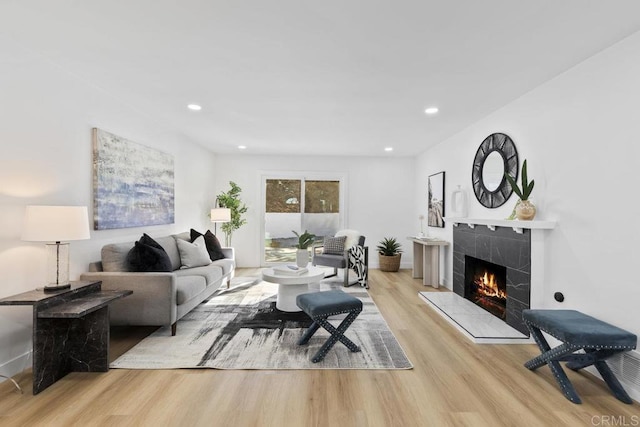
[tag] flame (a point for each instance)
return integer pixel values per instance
(488, 286)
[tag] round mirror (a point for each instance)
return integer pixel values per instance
(496, 156)
(493, 171)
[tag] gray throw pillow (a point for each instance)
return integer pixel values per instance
(334, 245)
(193, 254)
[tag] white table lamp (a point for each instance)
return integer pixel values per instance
(56, 224)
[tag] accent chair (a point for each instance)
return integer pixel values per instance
(345, 250)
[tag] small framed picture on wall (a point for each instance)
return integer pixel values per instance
(436, 200)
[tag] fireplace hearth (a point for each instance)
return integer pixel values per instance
(486, 285)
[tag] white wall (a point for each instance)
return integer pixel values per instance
(379, 195)
(46, 119)
(579, 133)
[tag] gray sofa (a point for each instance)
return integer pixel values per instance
(158, 298)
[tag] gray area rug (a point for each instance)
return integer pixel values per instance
(240, 328)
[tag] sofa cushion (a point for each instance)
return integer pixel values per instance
(193, 254)
(211, 273)
(213, 245)
(168, 243)
(147, 255)
(189, 287)
(114, 256)
(185, 235)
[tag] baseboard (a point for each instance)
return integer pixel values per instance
(15, 366)
(403, 265)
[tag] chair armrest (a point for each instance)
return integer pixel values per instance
(314, 248)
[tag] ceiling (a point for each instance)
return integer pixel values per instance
(347, 77)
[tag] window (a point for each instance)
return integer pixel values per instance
(286, 210)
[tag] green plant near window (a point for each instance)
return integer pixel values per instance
(389, 246)
(231, 200)
(305, 239)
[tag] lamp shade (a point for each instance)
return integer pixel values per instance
(55, 223)
(220, 215)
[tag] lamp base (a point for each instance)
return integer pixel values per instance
(55, 288)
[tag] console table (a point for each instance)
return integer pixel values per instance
(426, 260)
(70, 330)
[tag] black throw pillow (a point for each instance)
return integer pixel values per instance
(147, 255)
(211, 242)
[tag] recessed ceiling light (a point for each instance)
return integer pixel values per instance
(194, 107)
(388, 149)
(431, 110)
(242, 147)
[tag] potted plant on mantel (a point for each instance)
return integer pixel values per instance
(524, 209)
(305, 240)
(389, 253)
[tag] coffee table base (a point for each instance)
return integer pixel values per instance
(286, 300)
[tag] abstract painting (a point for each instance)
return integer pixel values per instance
(436, 200)
(132, 184)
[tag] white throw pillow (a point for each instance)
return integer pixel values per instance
(353, 237)
(193, 254)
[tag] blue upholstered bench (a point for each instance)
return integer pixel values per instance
(577, 331)
(319, 306)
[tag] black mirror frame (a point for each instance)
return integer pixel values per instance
(502, 144)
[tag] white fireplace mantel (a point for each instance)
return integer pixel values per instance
(518, 226)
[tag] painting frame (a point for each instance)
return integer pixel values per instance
(133, 185)
(436, 200)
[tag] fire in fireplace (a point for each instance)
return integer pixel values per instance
(485, 285)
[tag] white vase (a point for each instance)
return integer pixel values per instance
(302, 257)
(459, 203)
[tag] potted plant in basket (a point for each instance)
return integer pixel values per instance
(389, 253)
(524, 209)
(305, 240)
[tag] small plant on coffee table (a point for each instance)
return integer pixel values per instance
(305, 239)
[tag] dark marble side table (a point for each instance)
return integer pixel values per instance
(70, 330)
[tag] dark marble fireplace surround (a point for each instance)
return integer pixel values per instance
(503, 247)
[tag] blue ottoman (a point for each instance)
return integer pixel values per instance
(319, 306)
(577, 331)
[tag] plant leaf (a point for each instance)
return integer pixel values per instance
(514, 185)
(529, 189)
(525, 181)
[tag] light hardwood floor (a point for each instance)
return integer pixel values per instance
(453, 382)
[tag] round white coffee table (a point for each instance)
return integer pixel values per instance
(289, 287)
